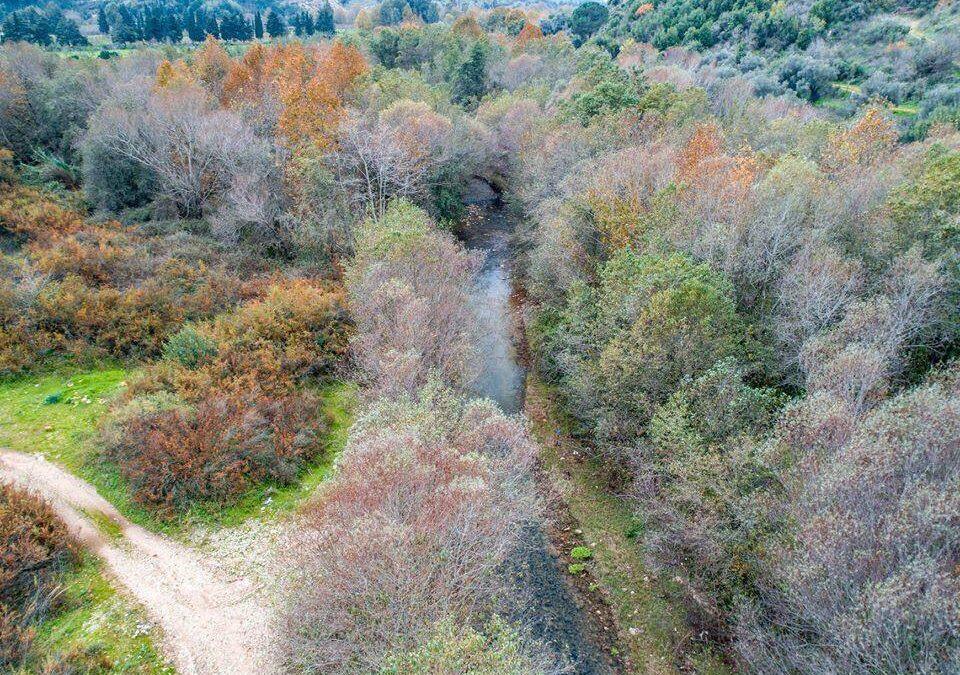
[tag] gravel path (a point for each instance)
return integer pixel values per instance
(211, 622)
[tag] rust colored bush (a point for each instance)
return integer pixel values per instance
(217, 450)
(97, 254)
(24, 212)
(34, 548)
(303, 326)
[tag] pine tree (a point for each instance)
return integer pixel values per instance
(275, 25)
(324, 23)
(228, 26)
(470, 81)
(15, 28)
(172, 28)
(195, 25)
(127, 29)
(211, 27)
(257, 25)
(103, 25)
(68, 32)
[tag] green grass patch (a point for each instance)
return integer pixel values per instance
(58, 415)
(651, 628)
(105, 524)
(95, 619)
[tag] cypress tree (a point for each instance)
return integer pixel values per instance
(324, 23)
(68, 32)
(211, 27)
(275, 26)
(257, 25)
(470, 81)
(195, 26)
(103, 25)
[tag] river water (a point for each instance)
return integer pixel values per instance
(543, 599)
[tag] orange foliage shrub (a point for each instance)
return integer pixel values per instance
(217, 451)
(870, 139)
(248, 423)
(304, 325)
(211, 64)
(706, 142)
(103, 292)
(175, 74)
(98, 255)
(529, 33)
(35, 546)
(25, 213)
(312, 97)
(308, 84)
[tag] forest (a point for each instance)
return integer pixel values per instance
(413, 338)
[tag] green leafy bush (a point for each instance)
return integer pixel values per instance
(581, 553)
(189, 347)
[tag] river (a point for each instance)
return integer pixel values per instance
(544, 601)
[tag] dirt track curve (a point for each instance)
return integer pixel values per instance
(211, 623)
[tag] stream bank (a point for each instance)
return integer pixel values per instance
(560, 611)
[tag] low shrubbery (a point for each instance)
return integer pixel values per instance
(410, 290)
(217, 449)
(868, 581)
(706, 483)
(430, 497)
(79, 289)
(35, 548)
(460, 648)
(226, 408)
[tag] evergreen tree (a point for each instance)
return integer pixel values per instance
(211, 27)
(297, 24)
(228, 26)
(469, 83)
(391, 12)
(127, 28)
(15, 28)
(425, 9)
(308, 26)
(68, 32)
(152, 24)
(257, 25)
(172, 28)
(324, 22)
(103, 25)
(195, 24)
(275, 25)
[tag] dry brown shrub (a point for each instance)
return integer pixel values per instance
(35, 547)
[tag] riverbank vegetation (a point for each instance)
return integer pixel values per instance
(232, 284)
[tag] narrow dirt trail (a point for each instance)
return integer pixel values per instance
(211, 623)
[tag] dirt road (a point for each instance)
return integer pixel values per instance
(211, 623)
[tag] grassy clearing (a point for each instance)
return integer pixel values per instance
(96, 620)
(652, 630)
(58, 414)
